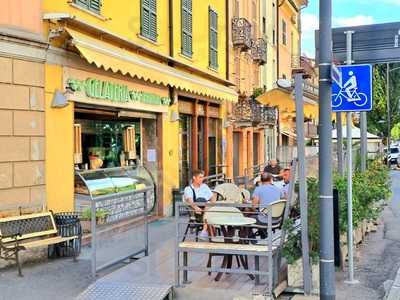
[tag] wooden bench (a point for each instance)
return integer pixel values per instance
(28, 232)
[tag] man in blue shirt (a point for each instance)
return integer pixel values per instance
(265, 194)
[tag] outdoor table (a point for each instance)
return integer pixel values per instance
(226, 217)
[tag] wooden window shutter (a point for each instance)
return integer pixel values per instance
(187, 20)
(77, 144)
(213, 37)
(83, 3)
(149, 19)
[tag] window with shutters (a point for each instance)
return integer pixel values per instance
(92, 5)
(148, 23)
(187, 20)
(213, 37)
(284, 33)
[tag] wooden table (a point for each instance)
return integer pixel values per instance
(229, 219)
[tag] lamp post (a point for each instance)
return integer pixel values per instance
(388, 70)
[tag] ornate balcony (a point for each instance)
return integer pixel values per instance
(241, 33)
(249, 112)
(259, 51)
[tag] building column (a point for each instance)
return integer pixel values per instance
(195, 144)
(229, 152)
(250, 144)
(205, 140)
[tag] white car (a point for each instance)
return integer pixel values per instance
(394, 155)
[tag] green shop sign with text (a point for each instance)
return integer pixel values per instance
(120, 93)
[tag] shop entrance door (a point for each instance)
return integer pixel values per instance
(200, 140)
(236, 149)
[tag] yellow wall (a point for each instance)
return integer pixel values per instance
(120, 17)
(59, 146)
(170, 158)
(286, 52)
(200, 35)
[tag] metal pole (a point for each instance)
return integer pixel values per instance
(94, 236)
(339, 136)
(327, 266)
(349, 171)
(388, 110)
(302, 182)
(364, 142)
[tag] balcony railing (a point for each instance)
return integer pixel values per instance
(241, 33)
(259, 51)
(249, 112)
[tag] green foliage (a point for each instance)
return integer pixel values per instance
(100, 214)
(369, 188)
(379, 112)
(257, 92)
(395, 132)
(292, 248)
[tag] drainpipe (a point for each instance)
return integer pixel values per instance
(228, 36)
(171, 90)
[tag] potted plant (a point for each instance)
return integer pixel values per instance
(86, 218)
(292, 247)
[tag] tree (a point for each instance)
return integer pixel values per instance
(377, 118)
(395, 133)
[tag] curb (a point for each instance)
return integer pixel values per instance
(394, 292)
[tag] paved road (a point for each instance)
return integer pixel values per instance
(379, 256)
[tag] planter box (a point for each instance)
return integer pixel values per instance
(295, 275)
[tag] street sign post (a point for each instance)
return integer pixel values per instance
(354, 91)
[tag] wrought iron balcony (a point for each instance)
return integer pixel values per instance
(249, 112)
(259, 51)
(241, 33)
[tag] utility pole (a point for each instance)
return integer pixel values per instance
(339, 143)
(388, 111)
(364, 141)
(349, 40)
(298, 79)
(327, 261)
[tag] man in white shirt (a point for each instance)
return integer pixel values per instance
(198, 192)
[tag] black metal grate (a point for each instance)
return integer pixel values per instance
(26, 226)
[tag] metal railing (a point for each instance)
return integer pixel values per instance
(227, 240)
(249, 111)
(259, 51)
(241, 33)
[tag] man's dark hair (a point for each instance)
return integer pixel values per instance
(266, 177)
(197, 173)
(286, 169)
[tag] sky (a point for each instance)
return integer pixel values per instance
(347, 13)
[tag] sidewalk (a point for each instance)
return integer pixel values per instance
(378, 258)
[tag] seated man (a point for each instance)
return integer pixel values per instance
(286, 183)
(198, 192)
(265, 194)
(272, 167)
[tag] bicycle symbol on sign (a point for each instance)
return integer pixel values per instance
(348, 91)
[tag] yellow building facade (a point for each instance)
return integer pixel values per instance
(158, 67)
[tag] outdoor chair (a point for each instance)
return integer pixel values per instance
(228, 192)
(277, 211)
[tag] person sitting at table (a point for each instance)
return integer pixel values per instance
(286, 183)
(263, 195)
(199, 192)
(273, 167)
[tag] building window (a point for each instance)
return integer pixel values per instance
(284, 76)
(148, 26)
(92, 5)
(264, 25)
(213, 36)
(292, 45)
(284, 34)
(273, 37)
(187, 27)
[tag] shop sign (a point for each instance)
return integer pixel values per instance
(114, 92)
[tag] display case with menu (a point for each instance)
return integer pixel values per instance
(118, 191)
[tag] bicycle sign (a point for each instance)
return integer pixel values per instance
(354, 91)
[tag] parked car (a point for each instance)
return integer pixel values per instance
(394, 156)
